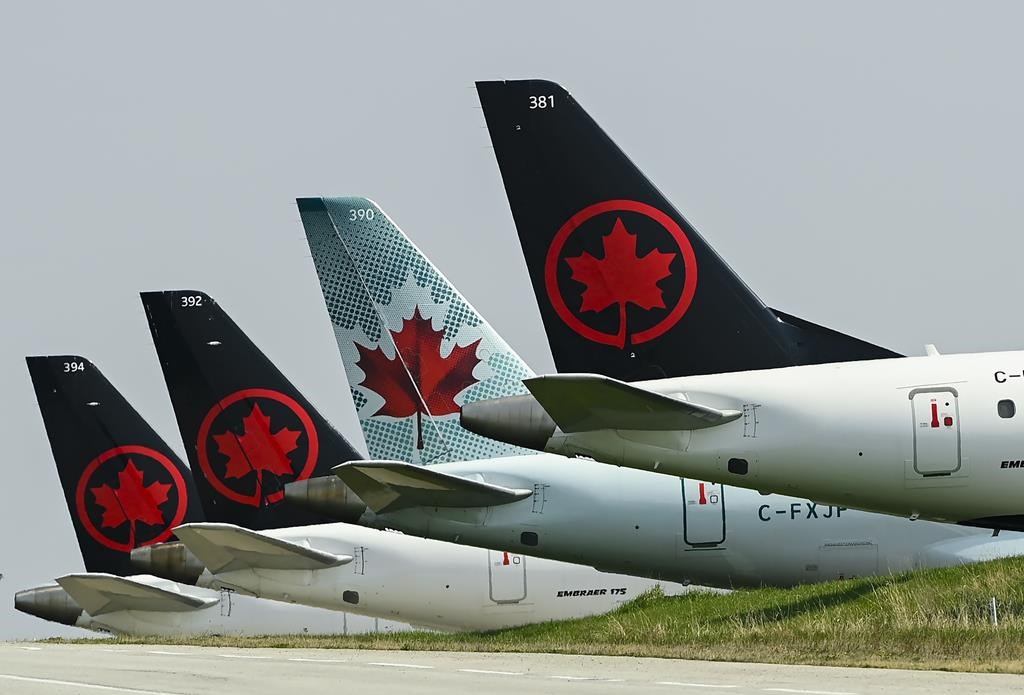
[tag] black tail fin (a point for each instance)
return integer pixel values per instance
(626, 287)
(247, 430)
(124, 486)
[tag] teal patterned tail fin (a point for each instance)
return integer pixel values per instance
(414, 349)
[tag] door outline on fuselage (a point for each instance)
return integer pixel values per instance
(514, 578)
(717, 537)
(923, 410)
(847, 559)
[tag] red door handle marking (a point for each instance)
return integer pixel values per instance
(703, 498)
(504, 560)
(935, 414)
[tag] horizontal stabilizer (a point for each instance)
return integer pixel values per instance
(388, 486)
(228, 548)
(587, 402)
(99, 593)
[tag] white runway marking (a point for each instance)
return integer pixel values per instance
(386, 663)
(493, 673)
(164, 653)
(695, 685)
(242, 656)
(87, 686)
(574, 678)
(33, 649)
(807, 692)
(317, 661)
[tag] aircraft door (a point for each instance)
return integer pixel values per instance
(936, 431)
(507, 576)
(703, 513)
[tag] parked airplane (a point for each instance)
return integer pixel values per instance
(425, 582)
(414, 350)
(125, 488)
(260, 422)
(930, 437)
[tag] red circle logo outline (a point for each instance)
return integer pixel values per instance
(572, 224)
(90, 469)
(222, 405)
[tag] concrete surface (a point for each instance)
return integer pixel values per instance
(32, 669)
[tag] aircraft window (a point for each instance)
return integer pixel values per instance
(1006, 408)
(350, 597)
(528, 538)
(738, 466)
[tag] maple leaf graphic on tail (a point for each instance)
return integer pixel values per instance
(257, 449)
(621, 277)
(132, 501)
(418, 369)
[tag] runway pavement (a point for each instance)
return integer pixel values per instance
(32, 669)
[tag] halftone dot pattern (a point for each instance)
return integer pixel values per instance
(373, 278)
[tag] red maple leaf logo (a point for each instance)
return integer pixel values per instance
(418, 380)
(621, 277)
(132, 501)
(257, 449)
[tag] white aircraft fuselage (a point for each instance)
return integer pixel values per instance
(223, 613)
(238, 615)
(937, 437)
(431, 584)
(623, 520)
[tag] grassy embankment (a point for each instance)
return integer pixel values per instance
(935, 619)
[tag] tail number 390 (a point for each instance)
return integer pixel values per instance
(360, 214)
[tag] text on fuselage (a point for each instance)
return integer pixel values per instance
(573, 593)
(800, 510)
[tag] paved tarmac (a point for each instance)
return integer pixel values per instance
(32, 669)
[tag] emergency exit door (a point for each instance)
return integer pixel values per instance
(936, 431)
(507, 574)
(703, 513)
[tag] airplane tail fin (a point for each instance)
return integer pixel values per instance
(414, 349)
(626, 286)
(247, 430)
(124, 486)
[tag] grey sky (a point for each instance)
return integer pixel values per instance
(859, 166)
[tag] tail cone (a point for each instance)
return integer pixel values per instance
(49, 603)
(518, 420)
